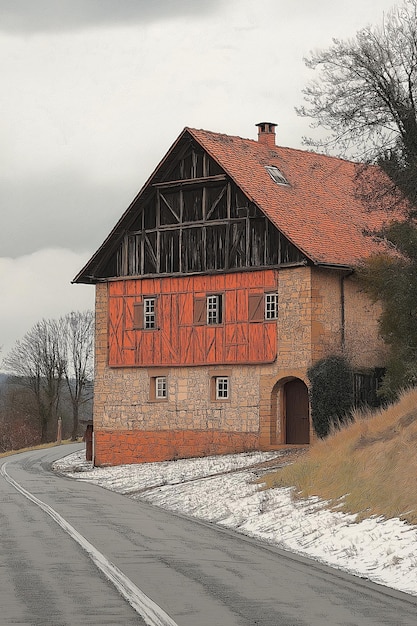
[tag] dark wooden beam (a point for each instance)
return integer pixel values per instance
(205, 180)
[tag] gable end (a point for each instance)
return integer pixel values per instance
(191, 218)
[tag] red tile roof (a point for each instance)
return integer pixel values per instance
(318, 211)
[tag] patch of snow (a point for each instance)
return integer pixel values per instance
(227, 490)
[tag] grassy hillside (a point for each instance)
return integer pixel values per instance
(369, 467)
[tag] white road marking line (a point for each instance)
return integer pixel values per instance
(151, 613)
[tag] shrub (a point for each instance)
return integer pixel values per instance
(331, 393)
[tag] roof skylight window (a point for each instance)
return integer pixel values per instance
(276, 175)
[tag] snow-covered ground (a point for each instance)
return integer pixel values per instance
(227, 490)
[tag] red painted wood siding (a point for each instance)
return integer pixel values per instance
(177, 340)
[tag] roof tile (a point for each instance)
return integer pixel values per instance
(320, 211)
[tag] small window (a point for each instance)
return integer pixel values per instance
(208, 310)
(214, 309)
(276, 175)
(222, 387)
(158, 385)
(149, 318)
(144, 314)
(161, 391)
(271, 306)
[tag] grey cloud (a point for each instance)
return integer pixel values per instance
(31, 16)
(65, 211)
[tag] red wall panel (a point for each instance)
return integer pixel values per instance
(176, 340)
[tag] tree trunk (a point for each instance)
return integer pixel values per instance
(74, 434)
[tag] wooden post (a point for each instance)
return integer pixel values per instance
(59, 432)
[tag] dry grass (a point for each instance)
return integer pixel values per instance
(369, 467)
(40, 447)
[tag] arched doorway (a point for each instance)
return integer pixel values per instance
(296, 412)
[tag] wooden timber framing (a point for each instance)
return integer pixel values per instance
(178, 338)
(203, 224)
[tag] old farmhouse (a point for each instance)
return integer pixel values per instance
(230, 273)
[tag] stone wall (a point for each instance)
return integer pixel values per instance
(364, 347)
(130, 426)
(294, 318)
(344, 320)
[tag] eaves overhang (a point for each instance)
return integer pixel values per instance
(334, 266)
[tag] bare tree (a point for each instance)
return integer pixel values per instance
(19, 426)
(365, 95)
(37, 363)
(78, 353)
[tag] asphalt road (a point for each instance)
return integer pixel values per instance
(76, 554)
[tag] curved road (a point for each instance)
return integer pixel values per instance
(75, 554)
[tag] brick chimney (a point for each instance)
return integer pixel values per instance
(266, 133)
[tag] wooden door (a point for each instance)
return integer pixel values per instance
(296, 412)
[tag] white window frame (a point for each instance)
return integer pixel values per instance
(214, 310)
(271, 306)
(222, 388)
(149, 315)
(276, 175)
(161, 387)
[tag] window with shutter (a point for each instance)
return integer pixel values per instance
(208, 310)
(144, 314)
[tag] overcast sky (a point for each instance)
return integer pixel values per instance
(94, 92)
